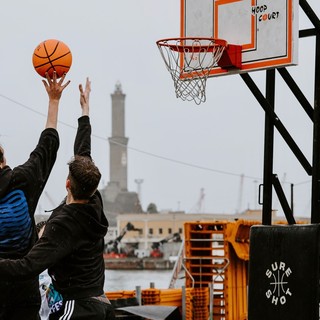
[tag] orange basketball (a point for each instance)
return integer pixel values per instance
(52, 55)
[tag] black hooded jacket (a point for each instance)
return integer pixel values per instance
(71, 247)
(26, 183)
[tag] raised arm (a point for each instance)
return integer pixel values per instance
(82, 144)
(84, 97)
(54, 89)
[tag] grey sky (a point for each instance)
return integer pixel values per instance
(210, 145)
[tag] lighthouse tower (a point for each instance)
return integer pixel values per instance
(118, 142)
(116, 197)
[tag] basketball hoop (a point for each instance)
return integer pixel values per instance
(189, 61)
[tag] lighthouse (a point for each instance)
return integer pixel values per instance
(118, 142)
(116, 197)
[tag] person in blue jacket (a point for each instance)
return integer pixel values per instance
(20, 190)
(72, 244)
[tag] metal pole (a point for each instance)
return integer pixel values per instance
(184, 300)
(211, 301)
(138, 295)
(268, 151)
(315, 197)
(292, 204)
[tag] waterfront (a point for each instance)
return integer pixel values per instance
(117, 280)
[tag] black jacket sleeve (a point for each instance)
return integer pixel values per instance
(32, 176)
(82, 144)
(56, 242)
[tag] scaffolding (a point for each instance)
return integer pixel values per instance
(216, 263)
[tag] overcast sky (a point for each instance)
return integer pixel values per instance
(176, 147)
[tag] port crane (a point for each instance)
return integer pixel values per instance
(156, 252)
(112, 246)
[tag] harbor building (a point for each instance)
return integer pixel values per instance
(152, 228)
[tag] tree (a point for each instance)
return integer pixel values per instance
(152, 208)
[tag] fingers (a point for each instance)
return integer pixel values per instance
(48, 77)
(88, 85)
(61, 79)
(54, 77)
(66, 84)
(53, 80)
(82, 94)
(45, 84)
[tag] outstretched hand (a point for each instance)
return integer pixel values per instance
(54, 87)
(84, 97)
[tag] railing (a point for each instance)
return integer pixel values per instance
(177, 266)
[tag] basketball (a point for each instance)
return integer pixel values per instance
(52, 55)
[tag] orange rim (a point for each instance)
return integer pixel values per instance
(180, 47)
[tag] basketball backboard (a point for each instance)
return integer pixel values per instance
(267, 30)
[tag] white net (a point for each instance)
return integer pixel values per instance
(189, 61)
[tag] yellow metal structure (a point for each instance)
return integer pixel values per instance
(215, 261)
(216, 255)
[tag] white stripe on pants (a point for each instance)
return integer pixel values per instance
(68, 310)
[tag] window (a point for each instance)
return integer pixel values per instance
(180, 230)
(169, 230)
(160, 231)
(150, 231)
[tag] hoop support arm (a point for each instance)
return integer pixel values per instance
(231, 57)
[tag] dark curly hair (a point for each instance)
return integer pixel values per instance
(84, 177)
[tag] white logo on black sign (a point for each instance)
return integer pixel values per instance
(279, 290)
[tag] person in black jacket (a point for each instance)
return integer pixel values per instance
(72, 244)
(20, 190)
